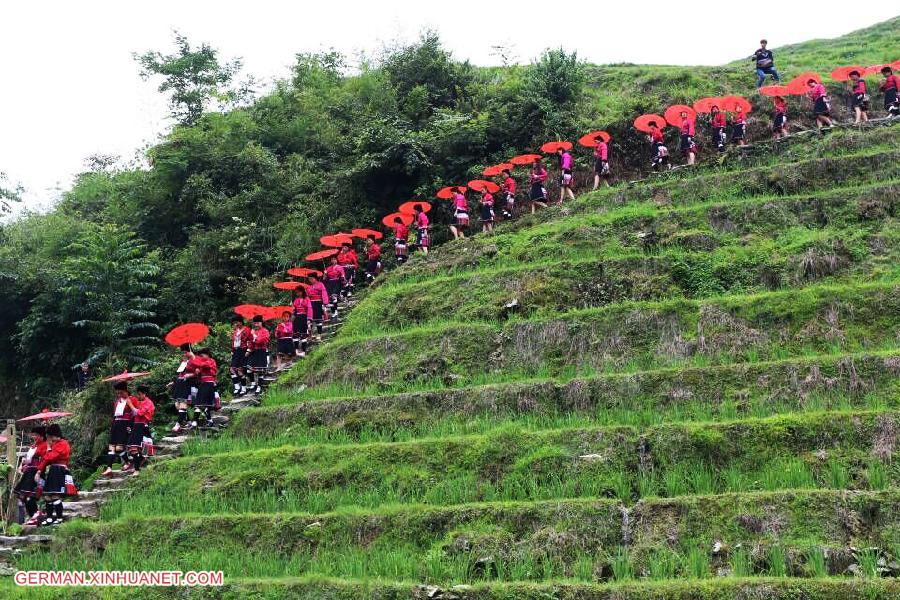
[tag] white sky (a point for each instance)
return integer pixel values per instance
(71, 88)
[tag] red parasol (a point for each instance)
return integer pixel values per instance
(368, 233)
(480, 185)
(302, 272)
(843, 73)
(287, 285)
(405, 218)
(798, 85)
(589, 140)
(46, 415)
(127, 376)
(895, 66)
(775, 90)
(275, 312)
(322, 254)
(704, 105)
(248, 311)
(551, 147)
(875, 69)
(446, 193)
(731, 104)
(337, 240)
(673, 114)
(410, 207)
(189, 333)
(497, 169)
(642, 123)
(524, 159)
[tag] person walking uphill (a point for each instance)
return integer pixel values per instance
(765, 64)
(120, 428)
(335, 282)
(142, 409)
(890, 87)
(601, 164)
(347, 258)
(460, 215)
(318, 298)
(303, 316)
(821, 105)
(565, 175)
(859, 97)
(184, 387)
(422, 240)
(538, 191)
(53, 468)
(205, 370)
(241, 338)
(657, 143)
(718, 124)
(27, 489)
(373, 260)
(509, 191)
(401, 238)
(258, 359)
(688, 147)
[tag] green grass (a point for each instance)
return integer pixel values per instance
(510, 464)
(625, 337)
(529, 541)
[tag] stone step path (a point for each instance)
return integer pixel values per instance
(87, 504)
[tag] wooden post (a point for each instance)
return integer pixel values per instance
(12, 507)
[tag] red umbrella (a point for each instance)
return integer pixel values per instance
(287, 285)
(410, 207)
(524, 159)
(497, 169)
(276, 312)
(368, 233)
(704, 105)
(302, 272)
(589, 140)
(798, 85)
(405, 218)
(731, 104)
(551, 147)
(446, 193)
(127, 376)
(642, 123)
(876, 69)
(895, 65)
(673, 114)
(248, 311)
(337, 240)
(46, 415)
(322, 254)
(189, 333)
(775, 90)
(479, 185)
(843, 73)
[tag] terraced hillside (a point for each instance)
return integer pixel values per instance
(686, 387)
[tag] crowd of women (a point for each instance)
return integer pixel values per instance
(317, 294)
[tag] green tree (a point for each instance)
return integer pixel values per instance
(425, 71)
(104, 292)
(192, 77)
(553, 87)
(9, 193)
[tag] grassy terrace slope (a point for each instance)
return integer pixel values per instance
(566, 405)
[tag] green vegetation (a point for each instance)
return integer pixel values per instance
(682, 387)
